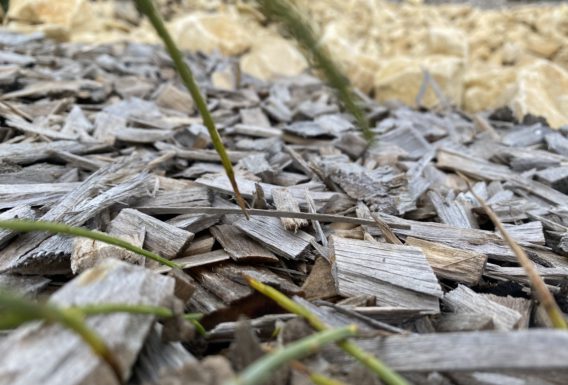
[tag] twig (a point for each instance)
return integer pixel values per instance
(272, 213)
(389, 235)
(372, 363)
(261, 369)
(147, 7)
(301, 30)
(539, 286)
(24, 225)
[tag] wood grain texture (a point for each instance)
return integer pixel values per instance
(284, 201)
(239, 246)
(464, 300)
(64, 358)
(397, 275)
(451, 263)
(123, 180)
(534, 351)
(270, 232)
(165, 239)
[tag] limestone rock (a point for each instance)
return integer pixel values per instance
(489, 87)
(45, 11)
(207, 32)
(57, 19)
(271, 57)
(542, 92)
(447, 41)
(400, 79)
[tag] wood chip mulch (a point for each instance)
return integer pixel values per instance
(385, 236)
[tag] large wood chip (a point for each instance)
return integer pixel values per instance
(64, 357)
(397, 275)
(271, 233)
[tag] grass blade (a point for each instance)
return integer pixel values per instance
(541, 291)
(372, 363)
(24, 225)
(19, 310)
(300, 29)
(147, 7)
(261, 370)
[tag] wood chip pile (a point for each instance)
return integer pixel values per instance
(385, 236)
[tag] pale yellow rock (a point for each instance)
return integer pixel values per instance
(44, 11)
(57, 19)
(544, 46)
(447, 41)
(380, 45)
(542, 91)
(487, 87)
(561, 57)
(208, 32)
(400, 79)
(358, 61)
(272, 57)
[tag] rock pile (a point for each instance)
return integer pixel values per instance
(481, 59)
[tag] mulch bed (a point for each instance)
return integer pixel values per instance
(385, 236)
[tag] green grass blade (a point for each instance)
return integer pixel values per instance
(147, 7)
(260, 370)
(300, 29)
(385, 373)
(19, 310)
(24, 225)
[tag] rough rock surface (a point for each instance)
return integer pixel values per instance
(481, 58)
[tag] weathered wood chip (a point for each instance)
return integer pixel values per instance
(20, 212)
(271, 233)
(535, 351)
(464, 300)
(194, 196)
(87, 252)
(247, 189)
(458, 265)
(397, 275)
(162, 238)
(64, 357)
(284, 201)
(37, 194)
(75, 208)
(239, 246)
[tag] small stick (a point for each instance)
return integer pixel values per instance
(539, 286)
(272, 213)
(390, 237)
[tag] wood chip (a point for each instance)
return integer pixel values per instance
(271, 233)
(397, 275)
(458, 265)
(239, 246)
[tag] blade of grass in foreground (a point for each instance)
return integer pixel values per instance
(27, 226)
(300, 29)
(541, 291)
(147, 7)
(260, 370)
(16, 311)
(385, 373)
